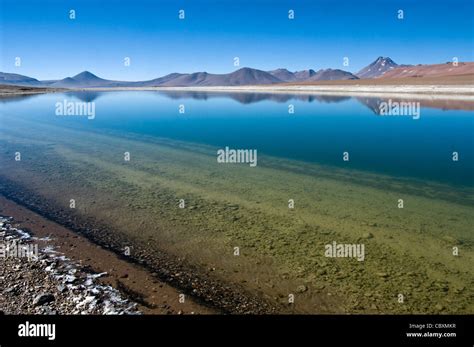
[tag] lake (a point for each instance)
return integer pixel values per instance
(331, 170)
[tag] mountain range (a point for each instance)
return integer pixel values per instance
(381, 67)
(243, 76)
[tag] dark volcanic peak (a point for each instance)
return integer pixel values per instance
(377, 68)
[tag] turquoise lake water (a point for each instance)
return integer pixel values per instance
(320, 129)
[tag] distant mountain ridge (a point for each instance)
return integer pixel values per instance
(243, 76)
(16, 79)
(381, 67)
(331, 75)
(311, 75)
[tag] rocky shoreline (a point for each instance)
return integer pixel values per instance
(176, 272)
(45, 281)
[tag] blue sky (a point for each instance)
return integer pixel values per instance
(259, 32)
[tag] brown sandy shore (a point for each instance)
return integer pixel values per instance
(156, 279)
(135, 283)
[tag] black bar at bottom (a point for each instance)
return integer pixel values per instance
(445, 330)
